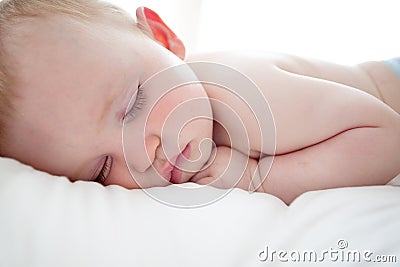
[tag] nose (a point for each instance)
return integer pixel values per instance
(152, 142)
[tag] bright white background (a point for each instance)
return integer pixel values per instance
(342, 31)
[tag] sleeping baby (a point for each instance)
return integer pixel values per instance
(84, 94)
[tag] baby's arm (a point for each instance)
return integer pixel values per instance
(362, 155)
(228, 168)
(363, 134)
(356, 157)
(308, 106)
(344, 160)
(329, 134)
(361, 146)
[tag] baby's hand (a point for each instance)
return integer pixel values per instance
(229, 168)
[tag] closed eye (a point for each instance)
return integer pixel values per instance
(137, 102)
(105, 170)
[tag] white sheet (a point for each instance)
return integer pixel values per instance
(49, 221)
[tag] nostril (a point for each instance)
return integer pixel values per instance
(141, 159)
(153, 145)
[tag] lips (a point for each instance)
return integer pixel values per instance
(176, 173)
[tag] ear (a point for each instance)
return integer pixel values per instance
(152, 25)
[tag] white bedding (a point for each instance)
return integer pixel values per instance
(49, 221)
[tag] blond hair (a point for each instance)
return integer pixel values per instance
(16, 12)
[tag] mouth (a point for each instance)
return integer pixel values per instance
(176, 173)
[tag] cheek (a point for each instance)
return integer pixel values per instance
(180, 107)
(123, 178)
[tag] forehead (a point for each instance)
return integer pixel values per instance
(66, 69)
(35, 34)
(62, 55)
(63, 46)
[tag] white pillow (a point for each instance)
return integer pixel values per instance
(49, 221)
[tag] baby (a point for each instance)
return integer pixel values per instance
(75, 74)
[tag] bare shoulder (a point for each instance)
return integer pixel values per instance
(241, 60)
(374, 78)
(300, 93)
(259, 63)
(386, 80)
(236, 111)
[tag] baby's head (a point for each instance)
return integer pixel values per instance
(68, 70)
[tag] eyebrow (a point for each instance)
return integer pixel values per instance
(109, 102)
(106, 109)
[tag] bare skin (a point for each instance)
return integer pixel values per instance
(317, 162)
(330, 133)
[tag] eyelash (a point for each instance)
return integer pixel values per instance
(105, 171)
(137, 105)
(131, 114)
